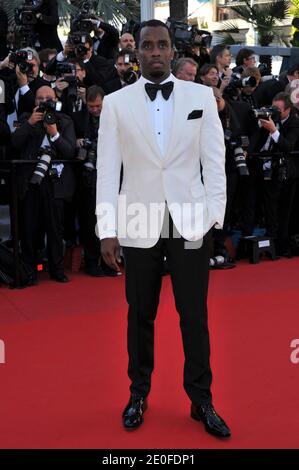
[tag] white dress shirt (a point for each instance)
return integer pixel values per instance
(160, 114)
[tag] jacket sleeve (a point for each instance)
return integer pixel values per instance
(212, 151)
(65, 145)
(23, 133)
(108, 171)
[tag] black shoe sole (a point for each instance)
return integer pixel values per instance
(209, 430)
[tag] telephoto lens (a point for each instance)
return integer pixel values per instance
(44, 155)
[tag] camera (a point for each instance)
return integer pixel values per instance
(77, 38)
(186, 36)
(49, 108)
(236, 144)
(45, 155)
(266, 112)
(130, 76)
(83, 21)
(20, 58)
(26, 15)
(88, 154)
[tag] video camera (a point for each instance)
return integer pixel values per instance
(83, 21)
(20, 58)
(49, 108)
(266, 112)
(88, 154)
(237, 145)
(26, 15)
(186, 36)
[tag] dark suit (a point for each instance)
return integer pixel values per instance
(267, 90)
(278, 195)
(46, 28)
(106, 46)
(46, 199)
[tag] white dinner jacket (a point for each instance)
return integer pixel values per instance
(195, 152)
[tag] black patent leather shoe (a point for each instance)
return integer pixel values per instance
(214, 424)
(133, 412)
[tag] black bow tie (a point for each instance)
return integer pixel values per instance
(153, 88)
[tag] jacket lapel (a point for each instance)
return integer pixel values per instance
(178, 117)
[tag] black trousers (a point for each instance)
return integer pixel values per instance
(39, 202)
(189, 276)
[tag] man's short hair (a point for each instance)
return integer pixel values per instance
(217, 51)
(293, 68)
(205, 69)
(79, 62)
(243, 53)
(179, 65)
(285, 97)
(93, 92)
(152, 24)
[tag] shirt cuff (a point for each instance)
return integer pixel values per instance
(275, 136)
(55, 137)
(24, 89)
(109, 234)
(60, 57)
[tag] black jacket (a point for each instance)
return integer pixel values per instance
(108, 43)
(27, 140)
(46, 28)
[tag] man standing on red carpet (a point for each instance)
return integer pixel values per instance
(167, 135)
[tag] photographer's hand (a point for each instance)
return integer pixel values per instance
(268, 124)
(35, 117)
(61, 85)
(82, 94)
(79, 143)
(21, 77)
(110, 250)
(6, 64)
(51, 129)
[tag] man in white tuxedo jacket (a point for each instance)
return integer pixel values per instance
(167, 135)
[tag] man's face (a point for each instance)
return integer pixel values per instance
(35, 69)
(122, 66)
(80, 73)
(95, 107)
(127, 42)
(225, 58)
(44, 94)
(155, 53)
(187, 72)
(284, 112)
(211, 78)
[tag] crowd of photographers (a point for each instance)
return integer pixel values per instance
(51, 113)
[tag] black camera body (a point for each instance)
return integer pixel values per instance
(237, 144)
(266, 112)
(26, 15)
(49, 108)
(20, 58)
(88, 154)
(186, 36)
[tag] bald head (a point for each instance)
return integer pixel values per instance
(127, 42)
(45, 93)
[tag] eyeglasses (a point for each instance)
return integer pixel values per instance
(251, 58)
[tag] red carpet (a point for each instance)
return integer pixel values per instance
(64, 382)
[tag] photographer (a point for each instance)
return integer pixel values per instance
(43, 187)
(245, 58)
(98, 70)
(105, 40)
(45, 56)
(71, 86)
(126, 63)
(278, 135)
(127, 41)
(20, 71)
(238, 127)
(221, 57)
(87, 134)
(209, 75)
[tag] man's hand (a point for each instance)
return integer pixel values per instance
(67, 49)
(35, 117)
(51, 129)
(21, 77)
(7, 64)
(79, 143)
(110, 250)
(61, 85)
(268, 124)
(82, 94)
